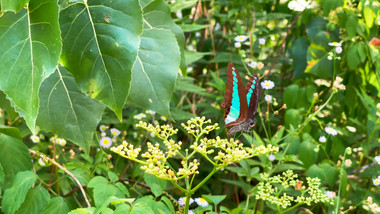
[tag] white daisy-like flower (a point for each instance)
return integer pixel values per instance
(330, 194)
(267, 84)
(150, 112)
(335, 44)
(252, 64)
(164, 118)
(272, 157)
(262, 41)
(376, 181)
(41, 162)
(299, 5)
(35, 139)
(322, 139)
(103, 128)
(106, 142)
(260, 65)
(237, 44)
(377, 159)
(330, 131)
(338, 50)
(115, 132)
(201, 202)
(139, 116)
(61, 141)
(268, 98)
(182, 201)
(241, 38)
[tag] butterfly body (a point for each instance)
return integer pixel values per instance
(240, 103)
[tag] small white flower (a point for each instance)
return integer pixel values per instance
(115, 132)
(351, 129)
(322, 139)
(182, 201)
(35, 139)
(272, 38)
(150, 112)
(260, 65)
(348, 162)
(330, 194)
(376, 181)
(268, 98)
(330, 131)
(377, 159)
(103, 128)
(262, 41)
(201, 202)
(139, 116)
(329, 57)
(105, 142)
(241, 38)
(237, 44)
(164, 118)
(190, 212)
(61, 141)
(267, 84)
(41, 162)
(272, 157)
(252, 64)
(335, 44)
(338, 50)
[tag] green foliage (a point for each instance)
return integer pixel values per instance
(77, 76)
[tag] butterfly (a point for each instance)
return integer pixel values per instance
(240, 103)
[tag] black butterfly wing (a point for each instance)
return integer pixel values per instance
(235, 102)
(253, 91)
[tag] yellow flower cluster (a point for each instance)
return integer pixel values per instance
(273, 190)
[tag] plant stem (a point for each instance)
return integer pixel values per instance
(52, 161)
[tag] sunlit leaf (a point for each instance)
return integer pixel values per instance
(157, 15)
(35, 201)
(13, 5)
(100, 43)
(29, 51)
(155, 71)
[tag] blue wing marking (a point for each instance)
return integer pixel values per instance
(235, 106)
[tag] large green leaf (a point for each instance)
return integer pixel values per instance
(103, 189)
(35, 201)
(157, 15)
(57, 206)
(67, 112)
(317, 56)
(155, 71)
(15, 195)
(299, 52)
(30, 47)
(14, 157)
(13, 5)
(100, 44)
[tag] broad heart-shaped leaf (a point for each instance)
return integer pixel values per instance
(29, 51)
(66, 111)
(14, 157)
(157, 14)
(100, 44)
(35, 201)
(15, 195)
(57, 206)
(12, 5)
(155, 71)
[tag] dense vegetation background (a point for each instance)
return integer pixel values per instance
(77, 76)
